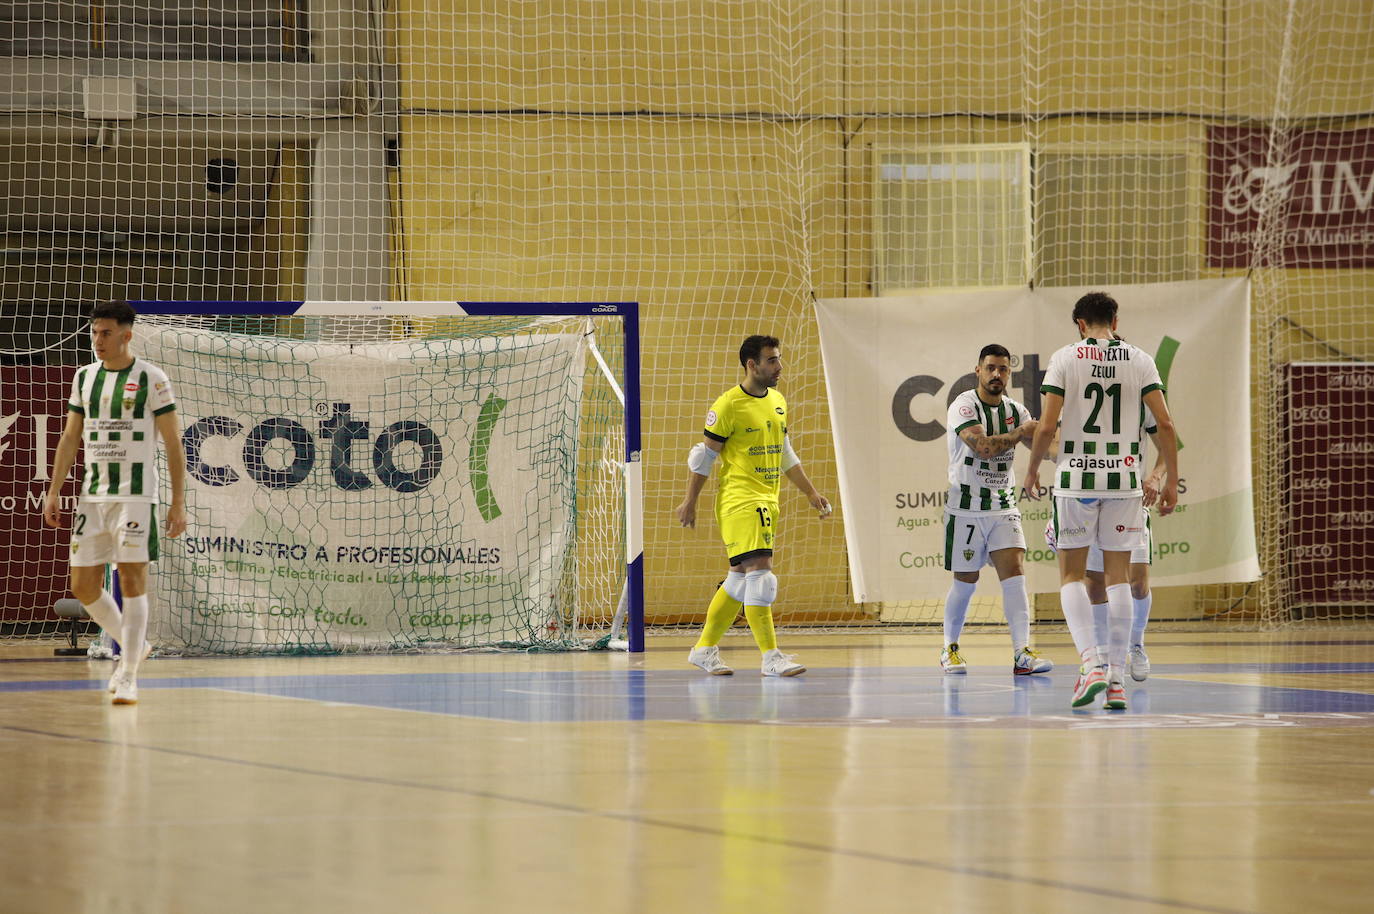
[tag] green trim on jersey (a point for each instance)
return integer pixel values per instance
(166, 409)
(1051, 389)
(1144, 391)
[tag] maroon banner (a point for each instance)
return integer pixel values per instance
(1320, 183)
(33, 556)
(1330, 462)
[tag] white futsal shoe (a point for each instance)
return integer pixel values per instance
(708, 658)
(119, 667)
(1026, 661)
(951, 661)
(776, 663)
(126, 691)
(1138, 663)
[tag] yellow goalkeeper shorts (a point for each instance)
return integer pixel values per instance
(748, 531)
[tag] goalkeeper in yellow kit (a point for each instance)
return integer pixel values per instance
(746, 428)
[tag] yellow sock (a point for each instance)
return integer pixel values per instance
(720, 615)
(761, 624)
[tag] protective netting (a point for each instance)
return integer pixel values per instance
(723, 163)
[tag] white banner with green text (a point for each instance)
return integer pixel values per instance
(893, 365)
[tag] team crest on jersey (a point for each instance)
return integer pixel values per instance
(128, 402)
(968, 555)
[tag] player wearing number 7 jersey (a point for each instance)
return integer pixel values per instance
(1100, 387)
(982, 521)
(747, 429)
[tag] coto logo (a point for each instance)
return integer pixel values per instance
(341, 431)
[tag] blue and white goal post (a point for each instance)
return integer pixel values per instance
(402, 475)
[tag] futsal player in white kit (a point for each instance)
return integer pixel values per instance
(1095, 391)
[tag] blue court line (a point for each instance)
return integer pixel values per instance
(1183, 669)
(832, 694)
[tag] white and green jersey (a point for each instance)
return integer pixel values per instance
(118, 408)
(1103, 383)
(978, 486)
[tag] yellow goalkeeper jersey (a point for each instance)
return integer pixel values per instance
(752, 430)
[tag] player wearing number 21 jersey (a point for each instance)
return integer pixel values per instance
(1097, 390)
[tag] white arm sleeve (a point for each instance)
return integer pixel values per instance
(789, 456)
(700, 459)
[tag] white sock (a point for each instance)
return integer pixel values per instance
(1141, 617)
(105, 612)
(1078, 612)
(135, 630)
(1016, 607)
(956, 608)
(1100, 626)
(1119, 599)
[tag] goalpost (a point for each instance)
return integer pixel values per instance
(397, 476)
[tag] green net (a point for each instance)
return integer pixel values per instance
(391, 484)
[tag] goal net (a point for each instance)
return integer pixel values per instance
(392, 482)
(725, 163)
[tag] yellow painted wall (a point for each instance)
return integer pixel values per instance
(712, 160)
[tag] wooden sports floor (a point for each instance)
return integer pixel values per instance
(1240, 779)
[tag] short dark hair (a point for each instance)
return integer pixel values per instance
(117, 311)
(996, 349)
(753, 347)
(1096, 309)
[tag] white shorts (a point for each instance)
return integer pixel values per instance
(969, 538)
(1113, 524)
(1140, 555)
(114, 531)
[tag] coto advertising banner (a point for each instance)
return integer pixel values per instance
(353, 495)
(893, 365)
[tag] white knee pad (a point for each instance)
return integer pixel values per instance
(734, 585)
(760, 588)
